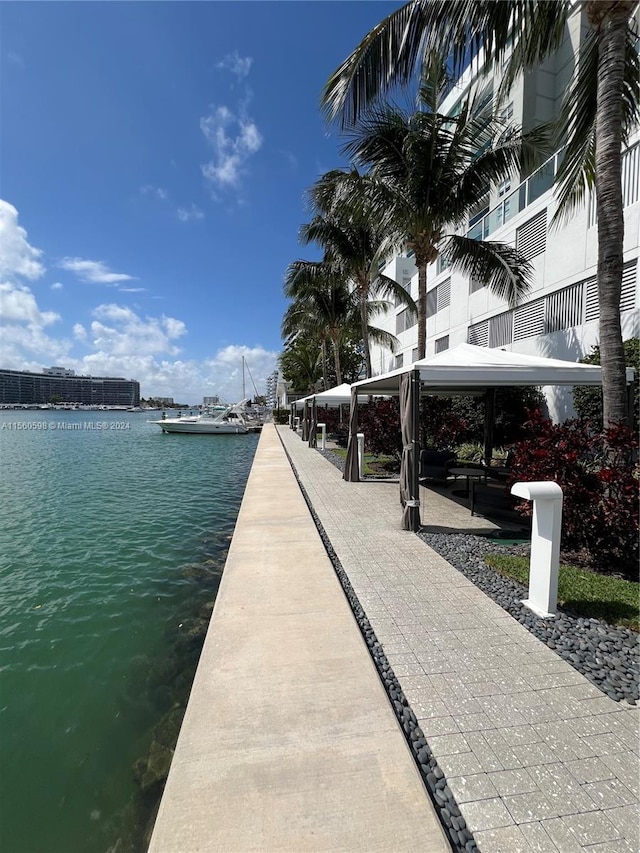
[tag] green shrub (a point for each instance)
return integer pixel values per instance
(281, 416)
(470, 452)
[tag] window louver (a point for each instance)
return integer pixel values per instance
(627, 295)
(478, 334)
(501, 329)
(591, 301)
(531, 238)
(528, 320)
(564, 309)
(442, 344)
(443, 295)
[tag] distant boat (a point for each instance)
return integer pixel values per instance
(231, 420)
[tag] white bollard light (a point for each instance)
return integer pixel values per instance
(361, 454)
(296, 424)
(545, 544)
(323, 440)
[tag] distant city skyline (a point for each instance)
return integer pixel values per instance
(155, 159)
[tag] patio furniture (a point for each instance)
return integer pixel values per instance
(469, 473)
(496, 500)
(435, 464)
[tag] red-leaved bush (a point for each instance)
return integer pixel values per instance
(380, 423)
(598, 474)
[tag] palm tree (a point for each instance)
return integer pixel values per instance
(355, 243)
(427, 172)
(300, 364)
(605, 86)
(322, 301)
(326, 307)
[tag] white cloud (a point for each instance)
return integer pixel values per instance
(22, 329)
(157, 192)
(117, 330)
(79, 332)
(234, 139)
(131, 289)
(93, 272)
(238, 65)
(18, 305)
(17, 256)
(224, 370)
(57, 285)
(187, 214)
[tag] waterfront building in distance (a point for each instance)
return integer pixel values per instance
(60, 385)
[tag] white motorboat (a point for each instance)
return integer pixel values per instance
(229, 421)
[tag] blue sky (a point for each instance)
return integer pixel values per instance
(152, 172)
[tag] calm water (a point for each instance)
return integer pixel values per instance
(97, 528)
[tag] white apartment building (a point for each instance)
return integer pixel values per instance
(559, 316)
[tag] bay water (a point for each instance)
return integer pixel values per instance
(113, 537)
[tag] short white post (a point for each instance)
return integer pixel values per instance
(361, 454)
(545, 544)
(323, 440)
(296, 424)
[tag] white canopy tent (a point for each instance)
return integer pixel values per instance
(332, 397)
(467, 369)
(336, 396)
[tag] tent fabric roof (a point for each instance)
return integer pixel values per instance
(468, 369)
(331, 397)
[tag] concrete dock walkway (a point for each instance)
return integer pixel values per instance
(289, 742)
(539, 760)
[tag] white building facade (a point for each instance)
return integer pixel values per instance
(559, 316)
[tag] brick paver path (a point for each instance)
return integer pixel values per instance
(536, 756)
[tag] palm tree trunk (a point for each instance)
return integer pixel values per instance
(324, 364)
(364, 322)
(611, 18)
(422, 307)
(335, 341)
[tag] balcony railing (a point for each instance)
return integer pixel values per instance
(529, 190)
(542, 180)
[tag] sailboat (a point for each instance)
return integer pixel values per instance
(237, 419)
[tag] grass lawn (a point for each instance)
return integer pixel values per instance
(369, 460)
(588, 594)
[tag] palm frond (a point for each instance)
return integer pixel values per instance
(497, 265)
(382, 338)
(389, 287)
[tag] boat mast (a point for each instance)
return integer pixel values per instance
(243, 389)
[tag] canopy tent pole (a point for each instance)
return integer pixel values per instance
(351, 468)
(313, 427)
(305, 422)
(489, 422)
(409, 464)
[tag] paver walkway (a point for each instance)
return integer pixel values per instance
(536, 756)
(289, 742)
